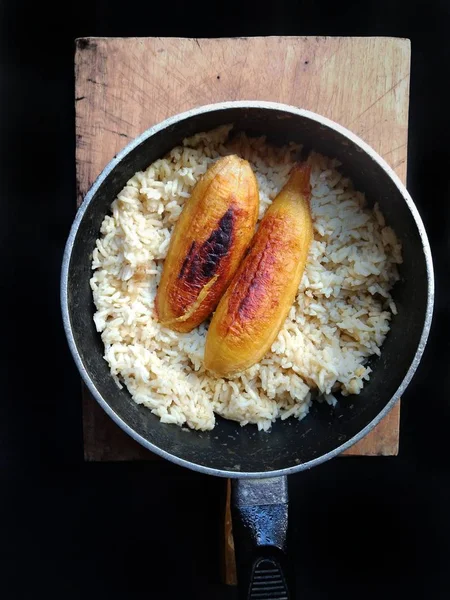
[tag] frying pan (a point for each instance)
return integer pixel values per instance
(258, 462)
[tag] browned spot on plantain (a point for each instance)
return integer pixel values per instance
(262, 265)
(201, 264)
(186, 260)
(200, 268)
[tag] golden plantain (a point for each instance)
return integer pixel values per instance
(257, 302)
(207, 243)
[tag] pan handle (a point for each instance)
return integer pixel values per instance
(260, 519)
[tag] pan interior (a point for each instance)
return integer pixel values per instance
(290, 443)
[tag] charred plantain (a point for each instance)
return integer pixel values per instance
(257, 302)
(207, 243)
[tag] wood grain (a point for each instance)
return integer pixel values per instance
(125, 85)
(229, 571)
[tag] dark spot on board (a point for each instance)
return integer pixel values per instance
(84, 43)
(79, 141)
(306, 62)
(218, 76)
(202, 263)
(94, 81)
(80, 98)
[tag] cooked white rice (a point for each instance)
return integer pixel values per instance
(340, 317)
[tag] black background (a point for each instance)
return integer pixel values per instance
(363, 527)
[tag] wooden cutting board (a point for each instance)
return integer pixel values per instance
(125, 85)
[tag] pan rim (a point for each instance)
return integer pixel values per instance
(91, 194)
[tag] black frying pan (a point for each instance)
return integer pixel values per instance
(258, 461)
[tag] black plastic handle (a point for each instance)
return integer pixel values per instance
(260, 520)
